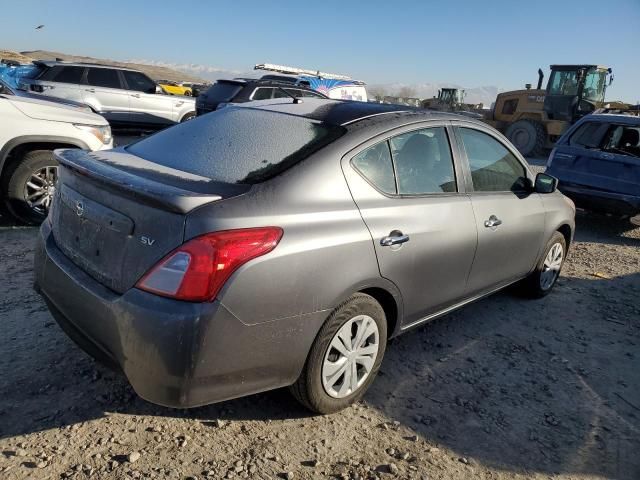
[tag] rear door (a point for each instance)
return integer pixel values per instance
(405, 186)
(63, 81)
(509, 217)
(104, 92)
(146, 105)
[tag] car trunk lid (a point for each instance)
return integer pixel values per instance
(116, 215)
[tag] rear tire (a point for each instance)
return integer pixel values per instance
(29, 185)
(320, 386)
(542, 280)
(528, 136)
(188, 116)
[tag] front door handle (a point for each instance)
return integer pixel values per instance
(135, 95)
(395, 238)
(492, 222)
(90, 90)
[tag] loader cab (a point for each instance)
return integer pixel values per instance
(451, 96)
(575, 90)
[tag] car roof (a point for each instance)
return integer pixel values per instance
(52, 63)
(344, 112)
(265, 82)
(612, 117)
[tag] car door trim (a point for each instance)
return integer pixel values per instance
(462, 303)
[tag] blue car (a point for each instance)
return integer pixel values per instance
(597, 163)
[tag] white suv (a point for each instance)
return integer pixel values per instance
(30, 129)
(123, 96)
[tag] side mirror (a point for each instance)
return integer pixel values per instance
(545, 183)
(2, 89)
(159, 90)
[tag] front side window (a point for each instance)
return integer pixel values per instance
(493, 167)
(376, 165)
(139, 82)
(423, 162)
(103, 77)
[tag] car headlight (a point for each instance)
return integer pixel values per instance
(102, 133)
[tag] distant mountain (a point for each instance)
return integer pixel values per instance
(156, 72)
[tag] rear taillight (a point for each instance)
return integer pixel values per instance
(197, 270)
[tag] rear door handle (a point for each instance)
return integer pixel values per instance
(606, 156)
(91, 90)
(135, 95)
(492, 222)
(395, 239)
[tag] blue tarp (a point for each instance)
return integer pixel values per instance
(12, 75)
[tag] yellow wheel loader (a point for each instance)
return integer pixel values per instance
(533, 119)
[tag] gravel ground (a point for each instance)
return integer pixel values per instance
(505, 388)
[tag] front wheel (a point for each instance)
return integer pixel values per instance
(345, 356)
(29, 188)
(542, 280)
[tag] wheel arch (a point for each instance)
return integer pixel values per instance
(34, 142)
(567, 232)
(389, 304)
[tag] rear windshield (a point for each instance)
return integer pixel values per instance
(237, 145)
(223, 91)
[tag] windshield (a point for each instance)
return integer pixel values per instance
(566, 82)
(237, 145)
(223, 91)
(595, 85)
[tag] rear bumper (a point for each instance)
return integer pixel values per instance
(601, 201)
(174, 353)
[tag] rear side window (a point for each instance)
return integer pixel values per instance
(223, 91)
(103, 77)
(493, 167)
(68, 75)
(376, 165)
(139, 82)
(423, 162)
(589, 135)
(237, 145)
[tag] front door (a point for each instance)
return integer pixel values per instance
(147, 106)
(509, 216)
(422, 225)
(104, 92)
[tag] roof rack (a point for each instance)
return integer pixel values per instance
(299, 71)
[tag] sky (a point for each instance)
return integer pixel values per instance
(499, 43)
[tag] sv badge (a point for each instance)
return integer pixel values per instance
(148, 241)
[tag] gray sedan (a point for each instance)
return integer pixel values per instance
(284, 242)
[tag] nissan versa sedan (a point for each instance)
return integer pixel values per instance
(284, 242)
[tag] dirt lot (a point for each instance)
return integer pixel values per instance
(506, 388)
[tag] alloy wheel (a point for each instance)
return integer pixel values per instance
(40, 187)
(350, 357)
(551, 266)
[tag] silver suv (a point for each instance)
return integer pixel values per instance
(123, 96)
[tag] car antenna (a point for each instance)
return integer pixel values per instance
(289, 94)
